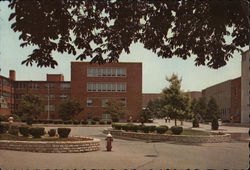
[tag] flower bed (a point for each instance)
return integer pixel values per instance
(66, 146)
(169, 137)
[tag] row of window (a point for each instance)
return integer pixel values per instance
(106, 87)
(93, 102)
(22, 85)
(106, 72)
(48, 97)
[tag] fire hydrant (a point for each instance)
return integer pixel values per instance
(109, 140)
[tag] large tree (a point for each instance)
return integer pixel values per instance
(69, 108)
(30, 107)
(115, 109)
(175, 102)
(104, 29)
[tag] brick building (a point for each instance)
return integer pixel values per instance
(91, 84)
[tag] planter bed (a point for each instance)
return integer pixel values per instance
(215, 138)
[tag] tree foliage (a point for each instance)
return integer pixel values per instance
(175, 102)
(201, 107)
(31, 106)
(67, 109)
(102, 30)
(212, 111)
(115, 109)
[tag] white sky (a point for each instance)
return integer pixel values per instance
(155, 69)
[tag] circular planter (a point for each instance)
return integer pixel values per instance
(167, 137)
(51, 146)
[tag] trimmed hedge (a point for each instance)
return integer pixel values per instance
(13, 130)
(63, 132)
(215, 124)
(93, 122)
(84, 122)
(24, 130)
(36, 132)
(101, 122)
(4, 128)
(109, 122)
(76, 122)
(52, 132)
(177, 130)
(161, 129)
(195, 123)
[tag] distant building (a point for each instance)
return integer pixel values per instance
(146, 97)
(194, 94)
(245, 87)
(227, 96)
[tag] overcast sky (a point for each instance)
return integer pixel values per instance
(155, 69)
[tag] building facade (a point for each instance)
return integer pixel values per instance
(228, 98)
(245, 87)
(93, 85)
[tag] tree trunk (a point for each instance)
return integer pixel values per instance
(175, 122)
(181, 122)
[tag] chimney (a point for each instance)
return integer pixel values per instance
(12, 75)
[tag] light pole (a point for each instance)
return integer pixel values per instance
(48, 102)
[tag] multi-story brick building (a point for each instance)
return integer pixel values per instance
(91, 84)
(94, 85)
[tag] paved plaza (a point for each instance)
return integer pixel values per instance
(134, 154)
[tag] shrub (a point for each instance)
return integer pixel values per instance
(96, 119)
(101, 122)
(134, 121)
(134, 128)
(76, 122)
(93, 122)
(152, 128)
(4, 128)
(109, 122)
(115, 120)
(84, 122)
(52, 132)
(63, 132)
(145, 129)
(195, 123)
(117, 126)
(29, 121)
(177, 130)
(2, 118)
(24, 130)
(161, 129)
(13, 131)
(215, 124)
(67, 122)
(59, 122)
(35, 121)
(36, 132)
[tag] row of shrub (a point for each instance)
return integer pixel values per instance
(74, 122)
(36, 132)
(146, 129)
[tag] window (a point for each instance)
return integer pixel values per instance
(64, 96)
(106, 72)
(49, 85)
(50, 97)
(106, 87)
(104, 102)
(34, 85)
(106, 116)
(6, 94)
(6, 82)
(89, 102)
(65, 86)
(123, 101)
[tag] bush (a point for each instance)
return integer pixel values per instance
(215, 124)
(29, 121)
(161, 129)
(96, 119)
(52, 132)
(117, 126)
(2, 118)
(76, 122)
(4, 128)
(67, 122)
(63, 132)
(101, 122)
(177, 130)
(134, 121)
(115, 120)
(93, 122)
(24, 130)
(84, 122)
(195, 123)
(13, 131)
(145, 129)
(152, 128)
(36, 132)
(109, 122)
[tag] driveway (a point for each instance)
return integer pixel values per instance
(134, 155)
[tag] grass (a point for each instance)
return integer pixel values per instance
(43, 138)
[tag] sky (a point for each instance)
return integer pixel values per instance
(155, 69)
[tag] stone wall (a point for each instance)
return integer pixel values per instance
(51, 146)
(167, 137)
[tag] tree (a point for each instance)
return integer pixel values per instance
(67, 109)
(107, 28)
(201, 107)
(176, 102)
(153, 108)
(115, 109)
(194, 112)
(213, 113)
(30, 107)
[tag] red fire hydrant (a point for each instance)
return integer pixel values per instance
(109, 140)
